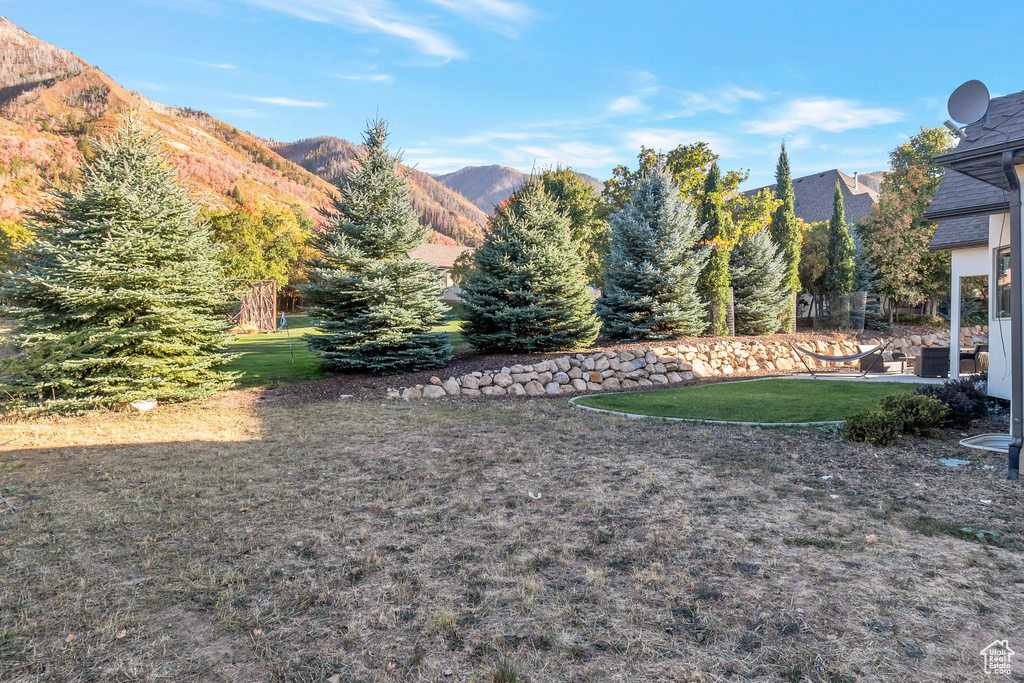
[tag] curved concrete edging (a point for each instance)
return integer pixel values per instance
(697, 420)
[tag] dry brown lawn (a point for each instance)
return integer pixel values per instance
(255, 538)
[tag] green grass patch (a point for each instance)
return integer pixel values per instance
(265, 360)
(770, 400)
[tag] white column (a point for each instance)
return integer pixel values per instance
(954, 325)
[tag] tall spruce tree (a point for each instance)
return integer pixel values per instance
(373, 306)
(653, 265)
(758, 270)
(120, 298)
(841, 269)
(785, 230)
(528, 289)
(714, 280)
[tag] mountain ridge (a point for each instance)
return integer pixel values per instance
(330, 157)
(53, 104)
(488, 186)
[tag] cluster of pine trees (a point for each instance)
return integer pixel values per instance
(669, 276)
(121, 295)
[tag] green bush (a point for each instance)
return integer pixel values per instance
(919, 414)
(873, 426)
(965, 397)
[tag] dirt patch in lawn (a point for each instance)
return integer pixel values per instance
(240, 540)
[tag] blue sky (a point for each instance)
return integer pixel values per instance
(525, 83)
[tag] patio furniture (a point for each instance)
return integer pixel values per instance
(876, 352)
(974, 360)
(902, 358)
(871, 361)
(933, 362)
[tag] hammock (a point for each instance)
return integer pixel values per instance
(840, 359)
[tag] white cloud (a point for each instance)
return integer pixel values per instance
(630, 104)
(211, 65)
(833, 115)
(429, 163)
(489, 137)
(503, 16)
(570, 153)
(723, 100)
(369, 15)
(287, 102)
(665, 139)
(371, 78)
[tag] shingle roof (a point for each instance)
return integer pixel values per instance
(1005, 124)
(979, 152)
(962, 195)
(439, 255)
(814, 193)
(960, 233)
(962, 202)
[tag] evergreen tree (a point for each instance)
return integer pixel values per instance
(839, 273)
(119, 296)
(714, 280)
(374, 306)
(758, 269)
(587, 214)
(653, 265)
(528, 289)
(785, 230)
(865, 279)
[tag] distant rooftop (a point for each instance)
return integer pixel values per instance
(813, 195)
(439, 255)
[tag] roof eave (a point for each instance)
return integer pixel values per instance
(983, 163)
(965, 211)
(959, 245)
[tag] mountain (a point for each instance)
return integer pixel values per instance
(488, 186)
(53, 104)
(446, 211)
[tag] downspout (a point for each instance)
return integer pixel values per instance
(1016, 320)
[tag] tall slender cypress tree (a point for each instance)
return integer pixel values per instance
(528, 289)
(785, 230)
(841, 269)
(374, 306)
(653, 265)
(120, 297)
(758, 268)
(714, 280)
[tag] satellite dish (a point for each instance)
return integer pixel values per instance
(968, 103)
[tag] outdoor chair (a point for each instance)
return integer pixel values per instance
(974, 360)
(933, 362)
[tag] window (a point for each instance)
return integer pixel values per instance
(1002, 302)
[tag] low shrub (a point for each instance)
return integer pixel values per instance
(873, 426)
(965, 398)
(919, 414)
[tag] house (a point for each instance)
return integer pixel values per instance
(973, 208)
(813, 195)
(443, 257)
